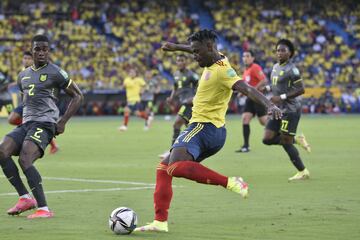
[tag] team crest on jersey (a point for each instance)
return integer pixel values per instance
(247, 78)
(231, 72)
(43, 77)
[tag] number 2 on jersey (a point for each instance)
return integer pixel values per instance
(31, 89)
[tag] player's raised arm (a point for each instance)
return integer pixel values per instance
(173, 47)
(257, 96)
(76, 99)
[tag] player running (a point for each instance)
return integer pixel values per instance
(206, 132)
(40, 85)
(184, 89)
(134, 86)
(287, 86)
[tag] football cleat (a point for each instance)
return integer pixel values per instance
(155, 226)
(122, 128)
(303, 175)
(24, 204)
(237, 185)
(41, 214)
(301, 140)
(243, 149)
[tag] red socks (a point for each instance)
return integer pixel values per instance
(126, 119)
(163, 193)
(196, 172)
(143, 115)
(186, 169)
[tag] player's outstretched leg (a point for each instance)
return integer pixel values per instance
(196, 172)
(162, 198)
(301, 140)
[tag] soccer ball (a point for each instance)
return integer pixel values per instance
(123, 220)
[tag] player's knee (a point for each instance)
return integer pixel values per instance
(4, 153)
(25, 162)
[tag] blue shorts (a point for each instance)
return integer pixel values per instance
(134, 106)
(19, 110)
(201, 140)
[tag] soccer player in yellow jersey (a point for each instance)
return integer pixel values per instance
(206, 132)
(133, 86)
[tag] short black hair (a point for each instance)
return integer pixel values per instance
(203, 35)
(39, 38)
(27, 53)
(251, 52)
(289, 44)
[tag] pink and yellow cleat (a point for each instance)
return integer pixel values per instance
(24, 204)
(41, 214)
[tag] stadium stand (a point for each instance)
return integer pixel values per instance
(97, 42)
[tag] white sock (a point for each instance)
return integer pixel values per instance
(44, 208)
(28, 196)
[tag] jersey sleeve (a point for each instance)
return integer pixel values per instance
(228, 77)
(63, 79)
(295, 75)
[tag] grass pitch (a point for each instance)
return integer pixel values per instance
(99, 169)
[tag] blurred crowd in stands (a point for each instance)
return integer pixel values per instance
(97, 42)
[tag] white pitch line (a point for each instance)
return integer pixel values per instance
(93, 181)
(87, 190)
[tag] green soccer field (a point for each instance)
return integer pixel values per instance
(99, 169)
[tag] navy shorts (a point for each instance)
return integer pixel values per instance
(19, 110)
(39, 133)
(134, 106)
(201, 140)
(185, 112)
(286, 125)
(144, 104)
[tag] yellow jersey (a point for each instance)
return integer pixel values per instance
(133, 88)
(213, 93)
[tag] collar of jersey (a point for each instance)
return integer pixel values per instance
(34, 69)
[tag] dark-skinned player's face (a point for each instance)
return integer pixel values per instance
(247, 58)
(40, 51)
(282, 53)
(181, 62)
(27, 61)
(201, 53)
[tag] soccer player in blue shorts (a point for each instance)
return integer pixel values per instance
(206, 132)
(40, 85)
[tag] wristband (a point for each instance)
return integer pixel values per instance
(283, 96)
